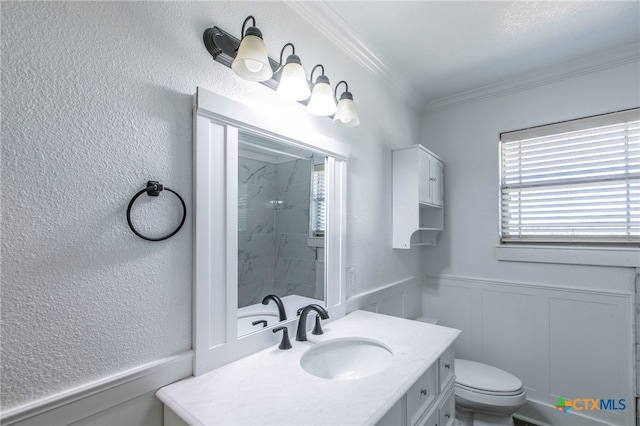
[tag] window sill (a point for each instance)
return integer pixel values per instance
(595, 256)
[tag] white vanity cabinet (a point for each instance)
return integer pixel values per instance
(431, 399)
(418, 198)
(412, 388)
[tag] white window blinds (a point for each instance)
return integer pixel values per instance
(317, 201)
(573, 182)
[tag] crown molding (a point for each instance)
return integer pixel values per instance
(338, 31)
(610, 59)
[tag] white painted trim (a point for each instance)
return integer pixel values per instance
(433, 279)
(229, 112)
(91, 398)
(217, 122)
(593, 256)
(540, 407)
(590, 64)
(323, 18)
(367, 298)
(334, 28)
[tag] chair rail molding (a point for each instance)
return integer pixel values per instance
(91, 398)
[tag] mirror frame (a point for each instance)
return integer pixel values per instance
(215, 206)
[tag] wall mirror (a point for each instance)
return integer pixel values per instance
(269, 221)
(281, 215)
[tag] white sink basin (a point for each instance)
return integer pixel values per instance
(346, 358)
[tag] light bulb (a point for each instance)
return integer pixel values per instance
(322, 102)
(346, 115)
(293, 81)
(252, 62)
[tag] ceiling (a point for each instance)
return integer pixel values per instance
(437, 49)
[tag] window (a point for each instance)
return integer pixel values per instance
(572, 182)
(317, 216)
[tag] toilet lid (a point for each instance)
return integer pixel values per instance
(485, 377)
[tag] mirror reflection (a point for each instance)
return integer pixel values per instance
(281, 213)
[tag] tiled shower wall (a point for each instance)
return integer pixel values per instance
(273, 223)
(256, 229)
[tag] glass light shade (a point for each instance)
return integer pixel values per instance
(346, 115)
(322, 102)
(293, 83)
(252, 62)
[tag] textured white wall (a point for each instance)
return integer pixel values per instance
(96, 100)
(466, 137)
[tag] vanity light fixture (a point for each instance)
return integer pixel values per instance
(321, 101)
(346, 115)
(252, 62)
(249, 60)
(293, 81)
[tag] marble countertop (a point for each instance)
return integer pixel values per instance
(271, 388)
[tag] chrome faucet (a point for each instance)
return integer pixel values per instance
(282, 315)
(301, 333)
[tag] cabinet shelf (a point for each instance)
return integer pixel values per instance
(418, 215)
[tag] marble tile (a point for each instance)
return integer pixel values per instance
(293, 172)
(255, 269)
(293, 197)
(254, 293)
(255, 172)
(258, 197)
(255, 245)
(274, 197)
(295, 276)
(292, 221)
(260, 221)
(294, 246)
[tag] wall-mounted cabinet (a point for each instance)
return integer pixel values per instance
(418, 197)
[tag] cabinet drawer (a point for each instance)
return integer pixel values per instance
(431, 419)
(446, 368)
(447, 409)
(421, 395)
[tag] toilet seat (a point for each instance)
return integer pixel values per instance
(481, 378)
(488, 392)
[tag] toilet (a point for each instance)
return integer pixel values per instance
(485, 395)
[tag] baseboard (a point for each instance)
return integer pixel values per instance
(92, 398)
(541, 414)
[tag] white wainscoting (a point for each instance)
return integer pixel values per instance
(400, 299)
(127, 398)
(565, 342)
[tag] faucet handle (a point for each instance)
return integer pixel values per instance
(317, 329)
(263, 322)
(285, 343)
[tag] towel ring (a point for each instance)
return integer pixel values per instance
(153, 189)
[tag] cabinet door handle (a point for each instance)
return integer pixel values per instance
(448, 415)
(447, 366)
(423, 391)
(432, 179)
